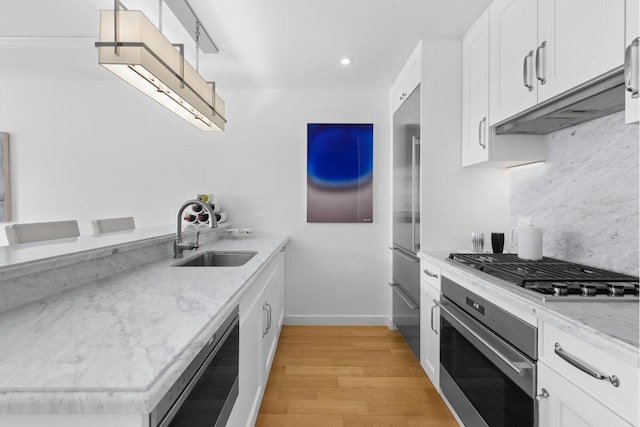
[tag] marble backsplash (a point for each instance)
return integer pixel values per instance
(585, 196)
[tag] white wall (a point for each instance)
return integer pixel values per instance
(455, 201)
(96, 148)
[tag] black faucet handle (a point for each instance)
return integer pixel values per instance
(197, 244)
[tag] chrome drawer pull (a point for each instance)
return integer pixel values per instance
(572, 360)
(428, 273)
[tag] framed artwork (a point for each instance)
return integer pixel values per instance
(5, 185)
(339, 172)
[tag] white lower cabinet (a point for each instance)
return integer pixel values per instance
(261, 318)
(430, 320)
(250, 383)
(273, 315)
(586, 385)
(566, 405)
(430, 332)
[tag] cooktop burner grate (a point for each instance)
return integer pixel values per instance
(510, 267)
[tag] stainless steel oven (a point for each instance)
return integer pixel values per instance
(487, 361)
(205, 393)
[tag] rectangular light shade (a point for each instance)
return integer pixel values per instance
(149, 62)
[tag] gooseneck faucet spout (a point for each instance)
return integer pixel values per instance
(178, 245)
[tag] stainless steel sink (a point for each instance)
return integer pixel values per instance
(217, 259)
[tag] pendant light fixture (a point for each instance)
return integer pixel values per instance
(132, 48)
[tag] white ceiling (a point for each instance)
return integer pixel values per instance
(288, 44)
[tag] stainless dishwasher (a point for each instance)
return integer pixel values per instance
(205, 393)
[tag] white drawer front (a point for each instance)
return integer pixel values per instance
(430, 273)
(622, 398)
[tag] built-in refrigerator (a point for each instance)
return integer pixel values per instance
(406, 220)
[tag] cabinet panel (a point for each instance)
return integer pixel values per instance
(513, 39)
(250, 384)
(408, 79)
(475, 93)
(578, 40)
(430, 332)
(273, 310)
(568, 406)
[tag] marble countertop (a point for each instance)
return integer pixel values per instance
(610, 326)
(116, 345)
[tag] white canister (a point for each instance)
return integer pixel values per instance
(529, 242)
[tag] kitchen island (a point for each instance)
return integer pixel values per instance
(113, 346)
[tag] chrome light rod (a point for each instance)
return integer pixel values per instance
(189, 20)
(132, 48)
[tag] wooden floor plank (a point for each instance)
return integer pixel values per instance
(376, 394)
(344, 376)
(324, 371)
(320, 407)
(384, 382)
(275, 420)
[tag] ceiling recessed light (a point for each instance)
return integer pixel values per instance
(345, 61)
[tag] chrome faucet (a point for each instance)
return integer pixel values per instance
(178, 245)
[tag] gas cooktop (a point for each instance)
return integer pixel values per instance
(553, 279)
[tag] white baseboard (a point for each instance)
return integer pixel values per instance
(331, 320)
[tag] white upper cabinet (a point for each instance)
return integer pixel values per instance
(542, 49)
(578, 40)
(408, 79)
(514, 37)
(475, 93)
(632, 67)
(480, 145)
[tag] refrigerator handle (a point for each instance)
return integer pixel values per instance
(415, 168)
(405, 254)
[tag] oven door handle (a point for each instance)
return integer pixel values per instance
(472, 330)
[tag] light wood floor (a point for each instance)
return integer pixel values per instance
(343, 376)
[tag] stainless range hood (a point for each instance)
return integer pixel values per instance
(596, 98)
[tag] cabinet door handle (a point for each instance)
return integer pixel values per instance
(574, 361)
(484, 146)
(269, 318)
(430, 274)
(525, 70)
(266, 310)
(544, 394)
(539, 64)
(433, 307)
(631, 68)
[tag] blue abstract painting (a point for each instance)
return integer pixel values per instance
(339, 172)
